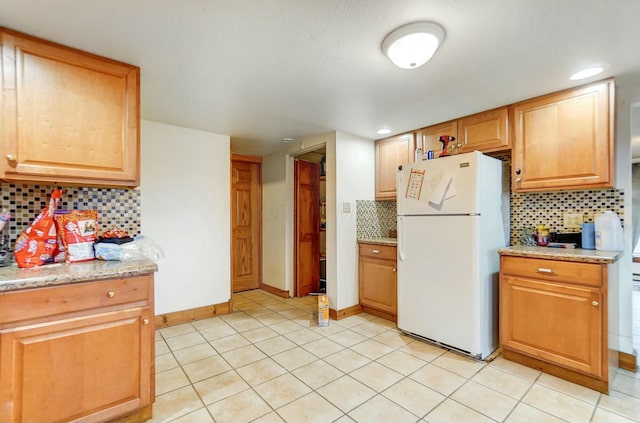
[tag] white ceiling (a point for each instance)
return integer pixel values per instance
(263, 70)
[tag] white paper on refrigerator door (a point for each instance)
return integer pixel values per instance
(439, 187)
(414, 184)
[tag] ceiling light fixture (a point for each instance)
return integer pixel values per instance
(287, 140)
(412, 45)
(383, 131)
(586, 73)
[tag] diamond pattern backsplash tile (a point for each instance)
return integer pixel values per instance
(115, 206)
(374, 219)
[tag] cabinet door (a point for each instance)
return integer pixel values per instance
(67, 116)
(427, 138)
(91, 368)
(378, 284)
(486, 131)
(558, 323)
(390, 153)
(565, 140)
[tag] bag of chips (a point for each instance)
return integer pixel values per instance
(79, 230)
(38, 244)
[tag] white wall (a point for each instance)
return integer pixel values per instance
(185, 208)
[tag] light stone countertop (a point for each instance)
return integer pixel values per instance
(13, 278)
(379, 241)
(566, 254)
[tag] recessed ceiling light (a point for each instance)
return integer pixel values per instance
(412, 45)
(586, 73)
(384, 131)
(287, 140)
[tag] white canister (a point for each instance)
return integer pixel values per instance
(608, 232)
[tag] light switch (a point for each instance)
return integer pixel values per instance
(346, 207)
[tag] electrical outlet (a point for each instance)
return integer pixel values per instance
(573, 220)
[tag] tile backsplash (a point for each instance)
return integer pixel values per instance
(374, 219)
(115, 206)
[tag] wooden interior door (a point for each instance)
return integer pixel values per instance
(246, 222)
(307, 228)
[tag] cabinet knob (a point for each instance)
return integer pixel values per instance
(394, 270)
(11, 157)
(111, 294)
(145, 321)
(375, 251)
(595, 303)
(518, 171)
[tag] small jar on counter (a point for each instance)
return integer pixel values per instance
(542, 235)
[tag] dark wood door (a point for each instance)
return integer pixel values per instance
(307, 228)
(246, 221)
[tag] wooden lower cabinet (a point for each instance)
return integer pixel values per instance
(377, 280)
(78, 360)
(553, 317)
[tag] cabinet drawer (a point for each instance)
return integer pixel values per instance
(50, 301)
(384, 252)
(552, 270)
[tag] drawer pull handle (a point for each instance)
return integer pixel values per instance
(545, 270)
(145, 321)
(375, 251)
(595, 303)
(111, 294)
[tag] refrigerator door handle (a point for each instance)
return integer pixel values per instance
(400, 251)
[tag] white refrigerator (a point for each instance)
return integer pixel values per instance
(450, 225)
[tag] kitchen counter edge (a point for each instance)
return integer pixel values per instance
(566, 254)
(13, 278)
(379, 241)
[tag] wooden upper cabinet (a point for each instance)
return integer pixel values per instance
(67, 115)
(391, 152)
(485, 131)
(427, 138)
(565, 140)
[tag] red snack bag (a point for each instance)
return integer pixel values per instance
(79, 230)
(38, 244)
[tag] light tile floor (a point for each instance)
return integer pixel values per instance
(269, 362)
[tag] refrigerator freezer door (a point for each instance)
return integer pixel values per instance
(440, 286)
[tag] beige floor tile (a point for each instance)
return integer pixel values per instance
(229, 343)
(384, 322)
(346, 393)
(622, 404)
(248, 305)
(270, 318)
(285, 326)
(352, 321)
(206, 368)
(393, 339)
(328, 330)
(195, 353)
(260, 371)
(458, 364)
(243, 356)
(414, 396)
(372, 349)
(323, 347)
(170, 380)
(272, 417)
(558, 404)
(347, 338)
(165, 362)
(627, 385)
(515, 368)
(423, 350)
(172, 331)
(438, 379)
(370, 329)
(245, 324)
(633, 375)
(208, 323)
(302, 336)
(280, 307)
(603, 416)
(506, 383)
(524, 413)
(484, 400)
(184, 341)
(199, 416)
(345, 419)
(275, 345)
(450, 411)
(259, 334)
(235, 316)
(175, 404)
(282, 390)
(311, 408)
(381, 409)
(294, 358)
(566, 387)
(347, 360)
(317, 373)
(220, 387)
(239, 408)
(220, 331)
(161, 347)
(376, 376)
(401, 362)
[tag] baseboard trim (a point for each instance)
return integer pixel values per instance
(345, 312)
(627, 361)
(184, 316)
(275, 291)
(381, 314)
(140, 415)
